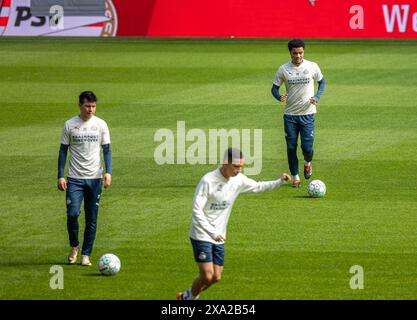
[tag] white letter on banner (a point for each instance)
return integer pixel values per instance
(396, 15)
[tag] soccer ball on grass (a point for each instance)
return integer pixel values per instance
(109, 264)
(316, 189)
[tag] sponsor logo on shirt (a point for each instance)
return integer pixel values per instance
(219, 205)
(85, 138)
(299, 81)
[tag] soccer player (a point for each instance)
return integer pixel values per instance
(299, 75)
(83, 135)
(213, 201)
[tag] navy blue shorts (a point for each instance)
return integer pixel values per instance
(205, 251)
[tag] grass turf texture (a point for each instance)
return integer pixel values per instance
(281, 244)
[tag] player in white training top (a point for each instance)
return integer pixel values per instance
(84, 135)
(299, 75)
(212, 205)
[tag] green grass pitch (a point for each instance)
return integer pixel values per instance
(281, 244)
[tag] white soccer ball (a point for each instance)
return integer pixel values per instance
(109, 264)
(316, 189)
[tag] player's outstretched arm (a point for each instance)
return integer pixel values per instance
(285, 177)
(250, 185)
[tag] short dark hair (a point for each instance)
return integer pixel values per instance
(296, 43)
(232, 153)
(87, 95)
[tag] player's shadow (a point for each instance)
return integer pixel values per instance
(303, 197)
(14, 264)
(31, 263)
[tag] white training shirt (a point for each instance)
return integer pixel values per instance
(299, 83)
(213, 201)
(85, 139)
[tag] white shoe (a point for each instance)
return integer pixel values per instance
(72, 256)
(85, 261)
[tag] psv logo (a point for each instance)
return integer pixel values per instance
(16, 19)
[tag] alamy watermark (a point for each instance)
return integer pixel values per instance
(56, 17)
(57, 278)
(358, 278)
(196, 146)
